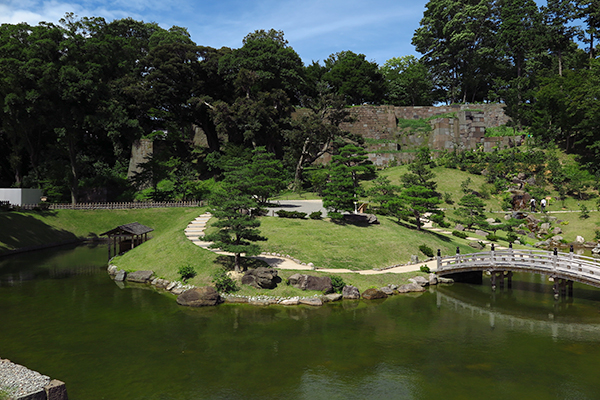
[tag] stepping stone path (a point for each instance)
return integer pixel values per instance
(195, 230)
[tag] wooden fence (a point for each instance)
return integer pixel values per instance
(112, 206)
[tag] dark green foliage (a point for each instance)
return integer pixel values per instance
(425, 269)
(316, 215)
(290, 214)
(223, 282)
(338, 283)
(186, 272)
(471, 211)
(426, 250)
(511, 237)
(584, 212)
(335, 216)
(492, 237)
(460, 234)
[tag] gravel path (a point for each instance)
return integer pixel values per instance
(20, 381)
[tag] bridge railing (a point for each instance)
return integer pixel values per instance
(537, 261)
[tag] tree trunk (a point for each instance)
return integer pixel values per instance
(238, 263)
(74, 173)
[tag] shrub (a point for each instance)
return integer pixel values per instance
(459, 234)
(223, 282)
(482, 244)
(426, 250)
(290, 214)
(335, 215)
(597, 233)
(448, 198)
(584, 212)
(492, 237)
(187, 272)
(337, 283)
(511, 237)
(425, 268)
(316, 215)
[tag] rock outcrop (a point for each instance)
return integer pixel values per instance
(350, 292)
(199, 297)
(261, 278)
(309, 282)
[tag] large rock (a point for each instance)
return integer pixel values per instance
(411, 287)
(433, 279)
(579, 240)
(480, 232)
(140, 276)
(294, 301)
(361, 218)
(261, 278)
(557, 231)
(309, 282)
(372, 294)
(350, 292)
(120, 275)
(419, 280)
(199, 297)
(476, 245)
(313, 301)
(332, 297)
(387, 290)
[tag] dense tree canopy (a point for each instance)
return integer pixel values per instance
(75, 97)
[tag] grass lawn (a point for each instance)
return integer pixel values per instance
(330, 245)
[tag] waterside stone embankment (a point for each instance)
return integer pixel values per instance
(20, 383)
(189, 295)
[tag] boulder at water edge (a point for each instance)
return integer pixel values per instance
(139, 276)
(199, 297)
(350, 292)
(372, 294)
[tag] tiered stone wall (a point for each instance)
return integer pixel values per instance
(459, 127)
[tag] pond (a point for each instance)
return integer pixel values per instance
(61, 315)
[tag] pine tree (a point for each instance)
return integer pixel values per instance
(237, 225)
(418, 195)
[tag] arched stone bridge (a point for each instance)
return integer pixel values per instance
(564, 268)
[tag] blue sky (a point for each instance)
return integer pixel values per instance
(380, 29)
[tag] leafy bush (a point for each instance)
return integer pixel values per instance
(448, 198)
(425, 268)
(597, 233)
(223, 282)
(290, 214)
(187, 272)
(426, 250)
(482, 244)
(316, 215)
(584, 212)
(337, 283)
(459, 234)
(511, 237)
(492, 237)
(335, 215)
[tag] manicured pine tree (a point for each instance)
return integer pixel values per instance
(471, 211)
(418, 195)
(238, 227)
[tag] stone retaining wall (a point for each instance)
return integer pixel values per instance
(21, 383)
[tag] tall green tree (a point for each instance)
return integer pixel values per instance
(457, 41)
(355, 78)
(408, 82)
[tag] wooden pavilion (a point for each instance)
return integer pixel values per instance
(126, 237)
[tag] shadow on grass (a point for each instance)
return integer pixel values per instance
(228, 262)
(20, 230)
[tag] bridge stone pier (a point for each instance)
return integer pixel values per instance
(562, 268)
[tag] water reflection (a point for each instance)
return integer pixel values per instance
(515, 321)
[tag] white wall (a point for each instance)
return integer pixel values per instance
(18, 197)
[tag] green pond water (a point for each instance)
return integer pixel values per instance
(61, 315)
